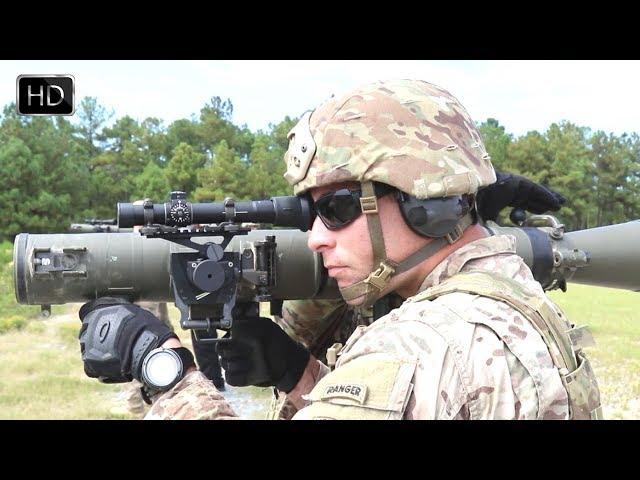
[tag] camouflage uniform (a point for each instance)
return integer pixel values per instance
(461, 356)
(318, 325)
(449, 352)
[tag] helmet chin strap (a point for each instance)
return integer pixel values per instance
(372, 286)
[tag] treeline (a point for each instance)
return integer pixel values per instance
(53, 172)
(598, 173)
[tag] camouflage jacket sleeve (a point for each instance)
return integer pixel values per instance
(193, 398)
(196, 398)
(307, 320)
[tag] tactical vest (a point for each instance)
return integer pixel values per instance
(563, 339)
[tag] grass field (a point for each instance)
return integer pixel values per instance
(614, 319)
(41, 374)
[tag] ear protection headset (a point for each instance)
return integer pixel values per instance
(434, 217)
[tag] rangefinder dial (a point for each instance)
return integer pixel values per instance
(180, 213)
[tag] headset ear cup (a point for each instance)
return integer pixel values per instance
(434, 217)
(417, 216)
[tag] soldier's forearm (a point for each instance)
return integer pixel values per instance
(192, 398)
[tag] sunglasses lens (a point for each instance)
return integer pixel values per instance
(338, 208)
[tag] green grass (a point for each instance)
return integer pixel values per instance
(12, 322)
(41, 375)
(613, 317)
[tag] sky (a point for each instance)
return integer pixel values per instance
(523, 95)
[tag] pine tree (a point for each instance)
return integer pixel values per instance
(224, 177)
(151, 183)
(184, 167)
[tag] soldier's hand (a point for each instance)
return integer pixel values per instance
(518, 192)
(260, 353)
(115, 337)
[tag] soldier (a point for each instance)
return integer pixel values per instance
(320, 324)
(392, 169)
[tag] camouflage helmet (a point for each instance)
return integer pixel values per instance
(409, 134)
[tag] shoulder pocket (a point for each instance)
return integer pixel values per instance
(370, 387)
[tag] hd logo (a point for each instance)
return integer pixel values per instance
(45, 95)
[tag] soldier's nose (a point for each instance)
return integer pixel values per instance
(320, 237)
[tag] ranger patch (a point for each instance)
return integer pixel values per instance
(346, 390)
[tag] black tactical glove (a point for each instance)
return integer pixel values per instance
(518, 192)
(207, 357)
(260, 353)
(115, 337)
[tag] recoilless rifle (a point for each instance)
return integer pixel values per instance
(214, 266)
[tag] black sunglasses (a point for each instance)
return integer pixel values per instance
(341, 207)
